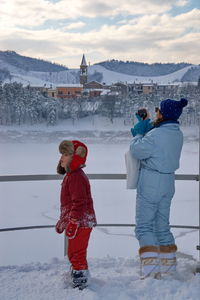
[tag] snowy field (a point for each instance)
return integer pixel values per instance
(32, 263)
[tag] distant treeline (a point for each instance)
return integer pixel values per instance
(24, 105)
(142, 69)
(30, 64)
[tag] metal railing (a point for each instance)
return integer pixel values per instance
(194, 177)
(98, 225)
(14, 178)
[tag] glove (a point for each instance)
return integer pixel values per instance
(71, 229)
(142, 127)
(59, 227)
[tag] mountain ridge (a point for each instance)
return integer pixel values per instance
(27, 70)
(27, 63)
(142, 69)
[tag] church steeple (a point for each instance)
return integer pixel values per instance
(83, 71)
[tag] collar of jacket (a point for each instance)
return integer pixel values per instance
(167, 122)
(69, 172)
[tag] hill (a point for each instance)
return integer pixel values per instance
(27, 70)
(142, 69)
(28, 63)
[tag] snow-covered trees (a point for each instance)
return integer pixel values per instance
(24, 105)
(52, 112)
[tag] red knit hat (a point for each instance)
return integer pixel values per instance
(77, 150)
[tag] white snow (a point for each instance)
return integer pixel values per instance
(72, 75)
(32, 266)
(110, 77)
(112, 279)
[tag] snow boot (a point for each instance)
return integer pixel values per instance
(168, 259)
(149, 262)
(79, 279)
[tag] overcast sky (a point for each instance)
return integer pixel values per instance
(136, 30)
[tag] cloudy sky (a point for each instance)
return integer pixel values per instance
(62, 30)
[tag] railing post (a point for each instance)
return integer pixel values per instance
(198, 246)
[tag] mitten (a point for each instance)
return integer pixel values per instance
(59, 227)
(71, 229)
(142, 127)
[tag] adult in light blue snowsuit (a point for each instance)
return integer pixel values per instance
(159, 151)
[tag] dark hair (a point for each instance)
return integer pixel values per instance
(158, 121)
(142, 113)
(60, 169)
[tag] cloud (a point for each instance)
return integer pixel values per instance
(36, 48)
(148, 37)
(182, 2)
(37, 12)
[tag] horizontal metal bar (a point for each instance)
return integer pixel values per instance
(187, 177)
(98, 225)
(9, 178)
(26, 228)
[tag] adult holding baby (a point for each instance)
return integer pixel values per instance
(158, 146)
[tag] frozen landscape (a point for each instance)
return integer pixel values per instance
(30, 71)
(108, 77)
(32, 263)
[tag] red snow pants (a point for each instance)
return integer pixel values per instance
(77, 249)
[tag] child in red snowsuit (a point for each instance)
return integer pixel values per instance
(77, 216)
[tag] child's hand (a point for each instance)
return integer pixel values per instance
(59, 227)
(71, 229)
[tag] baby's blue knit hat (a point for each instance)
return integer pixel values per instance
(172, 109)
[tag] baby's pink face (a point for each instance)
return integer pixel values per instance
(64, 160)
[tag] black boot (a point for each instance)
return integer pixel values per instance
(79, 278)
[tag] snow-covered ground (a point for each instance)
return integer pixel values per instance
(32, 263)
(110, 77)
(112, 279)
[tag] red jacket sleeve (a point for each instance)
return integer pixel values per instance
(78, 192)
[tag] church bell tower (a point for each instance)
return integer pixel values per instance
(83, 71)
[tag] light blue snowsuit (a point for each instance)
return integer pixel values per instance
(159, 151)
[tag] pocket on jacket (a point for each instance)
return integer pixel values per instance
(148, 185)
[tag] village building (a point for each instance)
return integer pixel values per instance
(67, 91)
(148, 88)
(165, 88)
(93, 89)
(83, 71)
(52, 93)
(121, 88)
(135, 87)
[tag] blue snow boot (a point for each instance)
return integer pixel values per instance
(79, 279)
